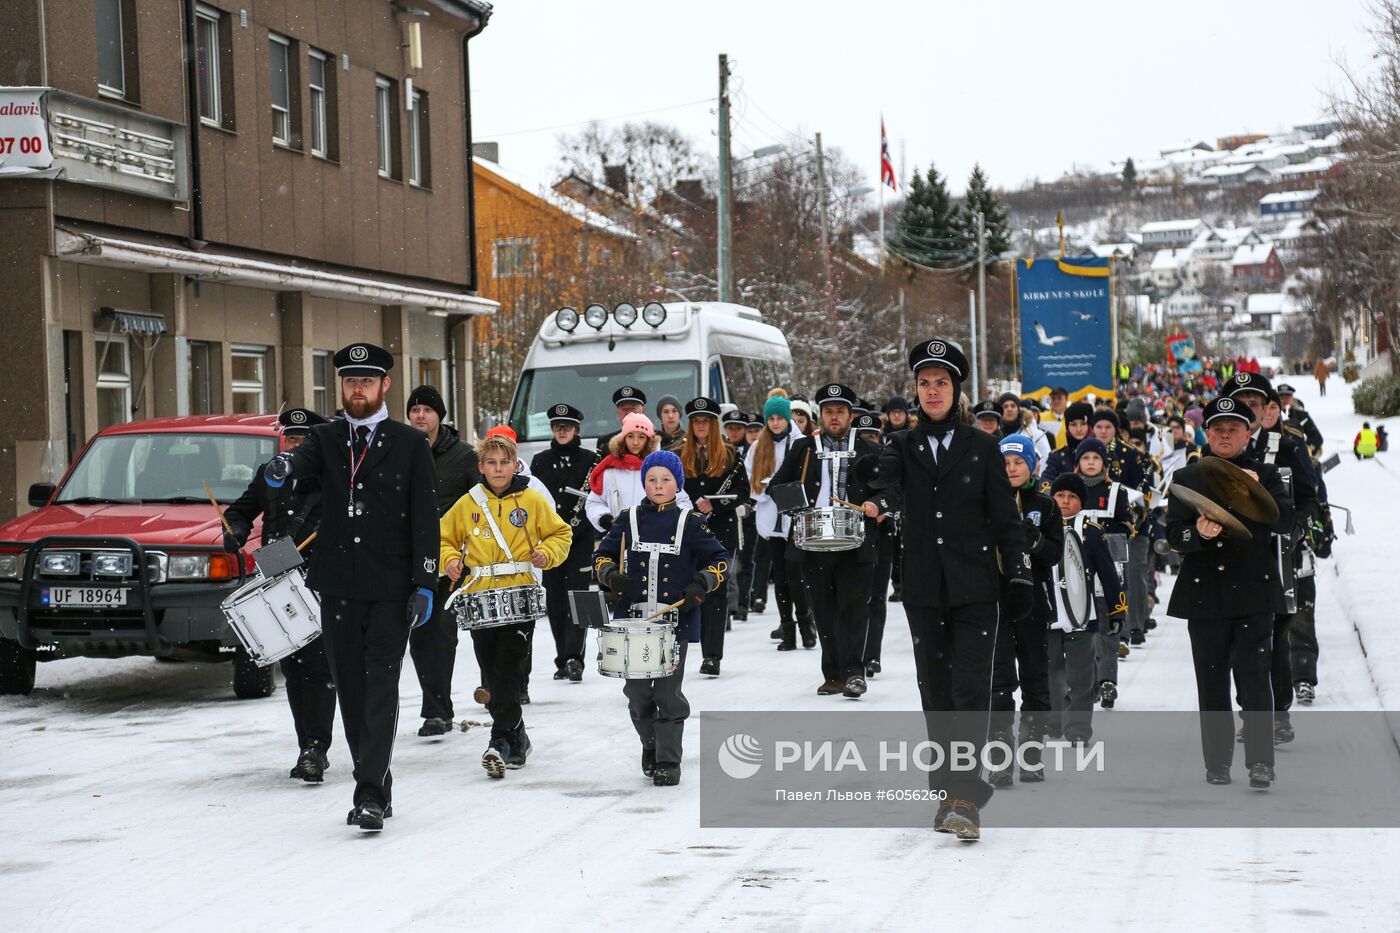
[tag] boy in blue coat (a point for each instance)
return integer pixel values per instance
(690, 564)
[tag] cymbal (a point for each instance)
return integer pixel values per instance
(1238, 490)
(1204, 505)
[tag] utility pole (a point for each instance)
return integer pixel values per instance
(724, 244)
(982, 294)
(826, 263)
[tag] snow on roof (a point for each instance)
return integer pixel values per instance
(1320, 164)
(1169, 260)
(566, 204)
(1252, 255)
(1172, 226)
(1232, 171)
(1272, 303)
(1105, 250)
(1288, 197)
(1296, 228)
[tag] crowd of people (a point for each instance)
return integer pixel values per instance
(696, 511)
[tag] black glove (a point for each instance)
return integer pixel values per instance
(694, 592)
(1034, 539)
(231, 543)
(613, 579)
(1018, 597)
(1115, 623)
(606, 521)
(420, 606)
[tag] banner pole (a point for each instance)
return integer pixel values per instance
(972, 339)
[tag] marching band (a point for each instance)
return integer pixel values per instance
(1022, 541)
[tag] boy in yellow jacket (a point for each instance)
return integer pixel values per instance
(505, 530)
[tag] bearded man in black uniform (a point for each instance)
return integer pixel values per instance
(293, 511)
(376, 560)
(1228, 591)
(563, 466)
(965, 564)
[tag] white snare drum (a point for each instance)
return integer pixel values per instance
(508, 605)
(836, 528)
(634, 649)
(274, 617)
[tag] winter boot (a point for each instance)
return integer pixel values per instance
(494, 759)
(809, 631)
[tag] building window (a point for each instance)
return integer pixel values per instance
(323, 383)
(286, 110)
(113, 380)
(249, 366)
(321, 93)
(513, 257)
(213, 51)
(116, 48)
(419, 163)
(386, 120)
(203, 381)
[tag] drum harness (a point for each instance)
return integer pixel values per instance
(654, 550)
(833, 460)
(504, 568)
(1284, 544)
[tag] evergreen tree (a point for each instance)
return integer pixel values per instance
(926, 230)
(981, 197)
(1129, 175)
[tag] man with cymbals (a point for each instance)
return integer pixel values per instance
(1222, 509)
(965, 565)
(376, 560)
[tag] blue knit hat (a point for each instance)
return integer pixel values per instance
(1091, 445)
(1021, 446)
(777, 405)
(664, 458)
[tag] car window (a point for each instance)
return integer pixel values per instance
(147, 467)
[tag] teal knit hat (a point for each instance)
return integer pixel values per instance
(777, 405)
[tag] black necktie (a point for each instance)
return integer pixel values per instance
(361, 440)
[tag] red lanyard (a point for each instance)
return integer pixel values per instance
(355, 468)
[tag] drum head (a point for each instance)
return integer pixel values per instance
(1076, 594)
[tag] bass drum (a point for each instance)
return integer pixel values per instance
(1073, 590)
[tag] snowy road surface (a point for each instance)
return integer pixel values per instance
(142, 796)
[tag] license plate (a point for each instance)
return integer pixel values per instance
(83, 597)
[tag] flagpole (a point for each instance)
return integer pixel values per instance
(881, 186)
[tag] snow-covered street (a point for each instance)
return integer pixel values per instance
(142, 796)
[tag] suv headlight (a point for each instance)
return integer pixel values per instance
(60, 563)
(187, 567)
(111, 565)
(11, 565)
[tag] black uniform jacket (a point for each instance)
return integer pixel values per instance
(292, 511)
(568, 465)
(733, 481)
(959, 517)
(1045, 544)
(1226, 577)
(802, 465)
(389, 547)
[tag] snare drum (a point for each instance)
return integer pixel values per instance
(508, 605)
(638, 649)
(274, 617)
(836, 528)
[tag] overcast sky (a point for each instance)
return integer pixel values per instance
(1026, 88)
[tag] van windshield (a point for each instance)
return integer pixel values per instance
(590, 389)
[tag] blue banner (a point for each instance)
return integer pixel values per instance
(1066, 314)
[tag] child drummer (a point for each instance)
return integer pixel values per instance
(505, 529)
(653, 556)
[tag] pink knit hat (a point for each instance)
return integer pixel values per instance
(638, 422)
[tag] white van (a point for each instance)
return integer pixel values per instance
(683, 349)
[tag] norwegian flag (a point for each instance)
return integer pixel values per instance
(886, 166)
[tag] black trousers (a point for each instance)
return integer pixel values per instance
(1022, 660)
(762, 569)
(1241, 647)
(365, 644)
(840, 593)
(897, 574)
(433, 648)
(746, 563)
(788, 589)
(502, 651)
(1302, 634)
(879, 599)
(954, 649)
(569, 639)
(714, 616)
(311, 695)
(1281, 670)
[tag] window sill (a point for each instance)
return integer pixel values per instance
(286, 147)
(416, 186)
(390, 178)
(117, 97)
(322, 157)
(211, 125)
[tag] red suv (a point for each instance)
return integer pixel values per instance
(125, 555)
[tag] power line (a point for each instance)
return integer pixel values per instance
(620, 116)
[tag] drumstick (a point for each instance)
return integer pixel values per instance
(849, 505)
(217, 511)
(665, 609)
(302, 545)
